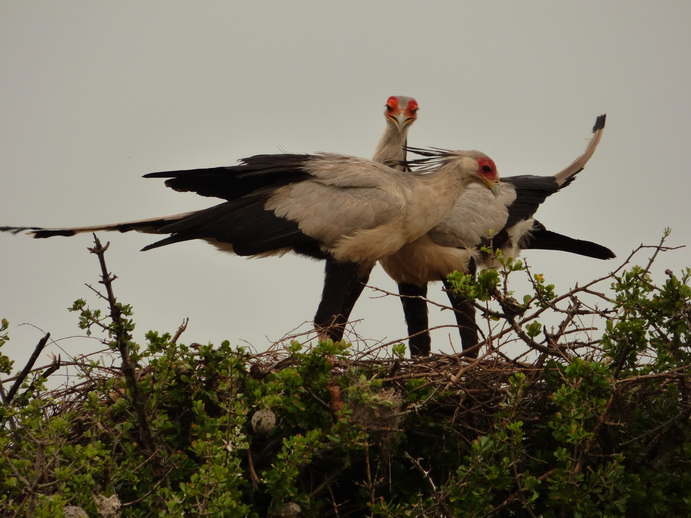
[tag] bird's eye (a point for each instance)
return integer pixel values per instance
(413, 107)
(487, 166)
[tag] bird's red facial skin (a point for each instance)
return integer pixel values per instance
(412, 108)
(488, 169)
(392, 104)
(411, 111)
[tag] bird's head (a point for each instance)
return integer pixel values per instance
(401, 111)
(482, 167)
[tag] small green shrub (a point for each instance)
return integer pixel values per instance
(574, 428)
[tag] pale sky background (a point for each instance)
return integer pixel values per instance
(96, 94)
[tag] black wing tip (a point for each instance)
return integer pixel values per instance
(159, 174)
(600, 122)
(570, 179)
(541, 238)
(163, 242)
(38, 232)
(13, 230)
(42, 234)
(604, 252)
(172, 178)
(595, 251)
(181, 172)
(157, 244)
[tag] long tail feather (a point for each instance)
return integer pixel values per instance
(544, 239)
(147, 226)
(567, 175)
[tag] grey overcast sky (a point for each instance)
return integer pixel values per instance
(96, 94)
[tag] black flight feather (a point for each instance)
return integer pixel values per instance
(253, 174)
(243, 223)
(542, 239)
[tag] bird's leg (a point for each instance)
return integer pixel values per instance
(465, 316)
(354, 292)
(415, 311)
(343, 284)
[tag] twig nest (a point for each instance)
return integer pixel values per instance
(378, 411)
(263, 421)
(290, 510)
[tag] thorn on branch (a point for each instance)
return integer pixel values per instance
(438, 497)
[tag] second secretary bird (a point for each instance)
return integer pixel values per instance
(453, 243)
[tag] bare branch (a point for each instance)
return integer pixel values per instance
(122, 342)
(180, 330)
(27, 368)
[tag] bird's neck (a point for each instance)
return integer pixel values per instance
(391, 148)
(435, 196)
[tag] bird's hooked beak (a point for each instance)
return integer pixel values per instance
(495, 187)
(401, 119)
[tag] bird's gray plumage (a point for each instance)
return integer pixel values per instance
(477, 216)
(351, 208)
(503, 222)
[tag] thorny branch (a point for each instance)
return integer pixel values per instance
(123, 344)
(438, 498)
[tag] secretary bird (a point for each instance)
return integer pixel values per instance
(454, 243)
(351, 210)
